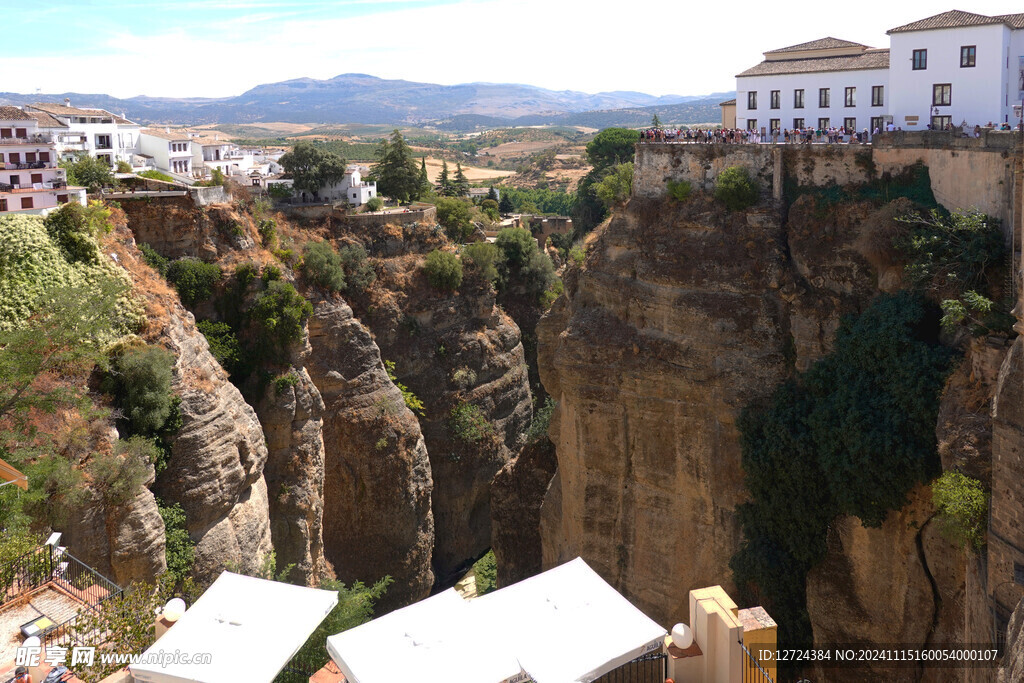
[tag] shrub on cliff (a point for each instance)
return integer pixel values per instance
(359, 271)
(454, 216)
(679, 191)
(280, 313)
(118, 476)
(616, 186)
(850, 436)
(140, 381)
(443, 270)
(223, 344)
(322, 266)
(736, 189)
(467, 423)
(516, 245)
(962, 506)
(75, 229)
(180, 550)
(193, 279)
(481, 259)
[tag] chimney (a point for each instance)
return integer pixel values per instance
(67, 101)
(167, 129)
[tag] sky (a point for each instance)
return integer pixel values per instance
(220, 48)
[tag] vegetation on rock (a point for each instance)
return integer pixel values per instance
(311, 167)
(736, 189)
(194, 279)
(443, 270)
(962, 506)
(322, 266)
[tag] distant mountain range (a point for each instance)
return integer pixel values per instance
(359, 98)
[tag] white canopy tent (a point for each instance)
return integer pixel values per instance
(564, 625)
(251, 628)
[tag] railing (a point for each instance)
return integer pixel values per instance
(753, 672)
(91, 589)
(649, 668)
(29, 140)
(28, 165)
(25, 573)
(301, 667)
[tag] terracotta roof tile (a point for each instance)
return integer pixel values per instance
(62, 110)
(45, 120)
(829, 43)
(870, 59)
(1014, 20)
(8, 113)
(174, 135)
(951, 19)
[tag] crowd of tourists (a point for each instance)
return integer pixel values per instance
(736, 136)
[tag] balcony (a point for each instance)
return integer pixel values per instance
(55, 185)
(26, 166)
(29, 140)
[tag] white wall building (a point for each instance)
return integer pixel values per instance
(352, 188)
(170, 151)
(30, 180)
(821, 84)
(955, 67)
(96, 132)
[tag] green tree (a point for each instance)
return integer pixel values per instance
(962, 506)
(460, 185)
(612, 146)
(490, 208)
(615, 188)
(140, 380)
(359, 272)
(194, 279)
(655, 122)
(482, 259)
(736, 189)
(312, 168)
(492, 194)
(516, 245)
(321, 265)
(425, 188)
(444, 183)
(180, 550)
(88, 171)
(443, 270)
(486, 570)
(505, 206)
(280, 313)
(374, 204)
(454, 216)
(76, 228)
(397, 175)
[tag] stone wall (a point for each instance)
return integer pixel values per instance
(418, 214)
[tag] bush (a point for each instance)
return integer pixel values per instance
(538, 275)
(541, 421)
(374, 204)
(615, 187)
(467, 423)
(578, 254)
(280, 313)
(193, 279)
(123, 166)
(736, 189)
(454, 216)
(464, 377)
(285, 382)
(322, 266)
(679, 191)
(271, 273)
(223, 344)
(155, 260)
(359, 272)
(180, 550)
(88, 171)
(962, 506)
(516, 245)
(482, 259)
(75, 228)
(55, 488)
(486, 570)
(267, 227)
(444, 270)
(140, 381)
(118, 476)
(850, 436)
(412, 401)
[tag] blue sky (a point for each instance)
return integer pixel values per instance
(223, 47)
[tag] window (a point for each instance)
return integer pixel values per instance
(36, 178)
(851, 97)
(15, 180)
(3, 204)
(775, 124)
(103, 142)
(9, 132)
(798, 123)
(877, 123)
(877, 95)
(30, 157)
(776, 99)
(752, 99)
(15, 157)
(941, 122)
(920, 60)
(968, 54)
(26, 203)
(942, 95)
(824, 123)
(824, 97)
(850, 124)
(798, 99)
(45, 157)
(21, 132)
(751, 124)
(62, 199)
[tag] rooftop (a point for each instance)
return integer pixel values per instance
(65, 110)
(869, 59)
(45, 120)
(173, 136)
(828, 43)
(8, 113)
(958, 19)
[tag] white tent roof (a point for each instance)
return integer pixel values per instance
(436, 640)
(251, 628)
(563, 625)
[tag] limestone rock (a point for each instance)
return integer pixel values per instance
(377, 484)
(517, 493)
(1013, 661)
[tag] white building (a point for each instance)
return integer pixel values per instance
(352, 188)
(821, 84)
(169, 151)
(96, 132)
(30, 180)
(955, 67)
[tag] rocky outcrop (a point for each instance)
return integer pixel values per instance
(377, 517)
(216, 466)
(517, 494)
(176, 227)
(1013, 661)
(291, 412)
(454, 351)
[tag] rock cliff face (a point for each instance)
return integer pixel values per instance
(377, 517)
(681, 316)
(451, 350)
(292, 419)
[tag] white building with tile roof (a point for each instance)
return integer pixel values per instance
(96, 132)
(169, 150)
(30, 180)
(953, 67)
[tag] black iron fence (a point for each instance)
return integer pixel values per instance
(649, 668)
(25, 573)
(753, 672)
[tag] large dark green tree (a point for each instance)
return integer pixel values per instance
(460, 184)
(313, 168)
(608, 149)
(444, 182)
(397, 175)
